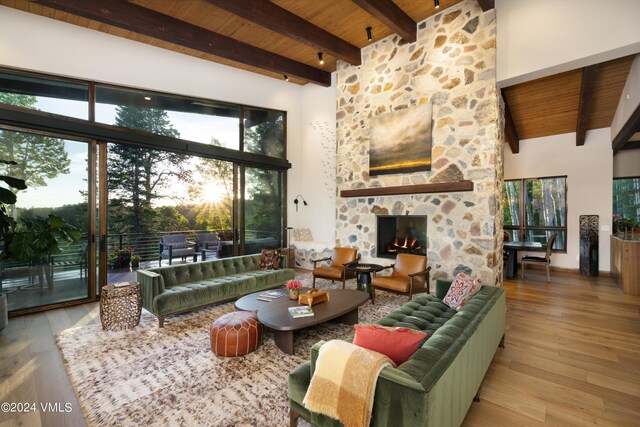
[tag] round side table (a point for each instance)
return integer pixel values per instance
(364, 275)
(120, 306)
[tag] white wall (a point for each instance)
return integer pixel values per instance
(537, 38)
(589, 171)
(35, 43)
(626, 164)
(629, 100)
(315, 168)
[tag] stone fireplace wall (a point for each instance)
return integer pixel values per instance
(451, 65)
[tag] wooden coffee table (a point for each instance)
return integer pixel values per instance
(342, 308)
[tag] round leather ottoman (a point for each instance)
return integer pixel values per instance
(236, 334)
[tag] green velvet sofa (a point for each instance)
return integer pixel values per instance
(179, 288)
(437, 385)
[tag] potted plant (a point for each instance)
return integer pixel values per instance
(121, 257)
(135, 261)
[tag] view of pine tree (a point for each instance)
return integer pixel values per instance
(139, 176)
(39, 158)
(263, 201)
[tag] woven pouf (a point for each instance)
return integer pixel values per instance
(236, 334)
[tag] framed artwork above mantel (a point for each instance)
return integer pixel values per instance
(400, 141)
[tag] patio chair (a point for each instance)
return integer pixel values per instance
(176, 246)
(409, 275)
(337, 269)
(72, 256)
(208, 243)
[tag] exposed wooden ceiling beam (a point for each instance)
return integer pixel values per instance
(487, 4)
(280, 20)
(510, 128)
(632, 145)
(391, 16)
(626, 132)
(587, 90)
(122, 14)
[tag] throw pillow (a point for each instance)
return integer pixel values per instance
(226, 235)
(269, 259)
(398, 344)
(461, 291)
(179, 245)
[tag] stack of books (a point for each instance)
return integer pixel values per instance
(271, 295)
(301, 311)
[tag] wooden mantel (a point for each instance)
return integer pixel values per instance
(443, 187)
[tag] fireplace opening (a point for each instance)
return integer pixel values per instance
(401, 234)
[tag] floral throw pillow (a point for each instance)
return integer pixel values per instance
(461, 291)
(269, 259)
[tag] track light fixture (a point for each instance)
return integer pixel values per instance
(436, 3)
(320, 59)
(286, 78)
(296, 201)
(369, 36)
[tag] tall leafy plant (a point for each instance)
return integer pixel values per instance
(29, 238)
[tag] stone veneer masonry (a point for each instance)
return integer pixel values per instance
(453, 66)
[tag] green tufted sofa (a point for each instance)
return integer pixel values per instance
(436, 386)
(179, 288)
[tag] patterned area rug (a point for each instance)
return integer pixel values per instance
(169, 376)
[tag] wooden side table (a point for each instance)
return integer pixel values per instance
(120, 306)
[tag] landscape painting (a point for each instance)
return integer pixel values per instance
(401, 141)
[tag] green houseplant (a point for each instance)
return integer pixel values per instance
(29, 239)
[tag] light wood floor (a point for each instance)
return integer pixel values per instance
(572, 358)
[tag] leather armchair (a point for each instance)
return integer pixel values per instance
(337, 268)
(409, 275)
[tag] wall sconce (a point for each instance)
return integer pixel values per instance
(296, 201)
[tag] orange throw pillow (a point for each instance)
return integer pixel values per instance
(398, 344)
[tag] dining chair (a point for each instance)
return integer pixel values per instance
(539, 260)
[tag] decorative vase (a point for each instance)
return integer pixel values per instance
(293, 294)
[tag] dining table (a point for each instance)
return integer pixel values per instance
(512, 249)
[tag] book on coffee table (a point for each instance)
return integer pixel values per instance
(301, 311)
(270, 295)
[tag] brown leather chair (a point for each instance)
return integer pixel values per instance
(337, 268)
(410, 275)
(539, 260)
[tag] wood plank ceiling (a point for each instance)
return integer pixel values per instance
(549, 106)
(284, 37)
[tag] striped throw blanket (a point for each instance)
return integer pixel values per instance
(344, 382)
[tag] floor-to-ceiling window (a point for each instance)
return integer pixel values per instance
(154, 165)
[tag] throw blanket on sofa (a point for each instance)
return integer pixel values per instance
(344, 382)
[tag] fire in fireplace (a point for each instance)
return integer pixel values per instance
(401, 234)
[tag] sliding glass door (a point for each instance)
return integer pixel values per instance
(263, 209)
(55, 203)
